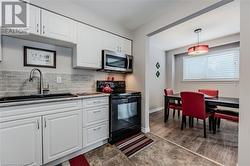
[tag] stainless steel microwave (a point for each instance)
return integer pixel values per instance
(118, 62)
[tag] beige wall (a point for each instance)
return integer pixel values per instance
(156, 84)
(227, 89)
(139, 80)
(244, 131)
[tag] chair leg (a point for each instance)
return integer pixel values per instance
(204, 125)
(179, 112)
(173, 113)
(190, 122)
(185, 121)
(218, 123)
(197, 120)
(214, 125)
(166, 114)
(210, 123)
(182, 122)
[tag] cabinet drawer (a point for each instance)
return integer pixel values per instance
(97, 115)
(95, 102)
(95, 133)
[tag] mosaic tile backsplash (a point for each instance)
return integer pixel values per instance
(15, 83)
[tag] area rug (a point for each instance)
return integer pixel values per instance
(77, 161)
(134, 144)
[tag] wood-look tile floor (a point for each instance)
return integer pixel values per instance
(221, 147)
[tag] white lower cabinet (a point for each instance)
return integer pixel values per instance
(62, 134)
(95, 133)
(21, 142)
(51, 131)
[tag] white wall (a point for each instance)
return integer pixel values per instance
(139, 80)
(244, 131)
(156, 84)
(226, 88)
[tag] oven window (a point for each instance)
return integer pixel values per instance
(126, 111)
(115, 61)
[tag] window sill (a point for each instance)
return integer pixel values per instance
(219, 80)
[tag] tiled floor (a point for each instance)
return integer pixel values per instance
(221, 147)
(160, 153)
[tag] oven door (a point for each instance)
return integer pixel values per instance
(125, 117)
(115, 61)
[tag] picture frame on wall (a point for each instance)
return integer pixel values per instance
(38, 57)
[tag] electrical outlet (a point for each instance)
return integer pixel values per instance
(58, 79)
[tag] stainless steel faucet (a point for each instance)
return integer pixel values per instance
(41, 79)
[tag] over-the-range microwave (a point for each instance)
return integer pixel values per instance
(117, 62)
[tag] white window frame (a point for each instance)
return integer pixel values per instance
(210, 79)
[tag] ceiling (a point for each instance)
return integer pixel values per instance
(220, 22)
(135, 13)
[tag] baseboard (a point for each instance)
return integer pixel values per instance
(145, 130)
(156, 109)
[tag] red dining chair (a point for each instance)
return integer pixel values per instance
(224, 114)
(193, 106)
(210, 92)
(171, 105)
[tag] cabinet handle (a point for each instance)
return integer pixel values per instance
(37, 27)
(44, 29)
(38, 125)
(97, 128)
(96, 112)
(45, 123)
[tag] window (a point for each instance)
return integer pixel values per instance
(215, 66)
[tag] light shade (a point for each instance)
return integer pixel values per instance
(198, 50)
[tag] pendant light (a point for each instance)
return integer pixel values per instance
(199, 48)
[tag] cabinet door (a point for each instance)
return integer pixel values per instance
(89, 47)
(33, 21)
(110, 42)
(126, 46)
(57, 27)
(62, 134)
(21, 142)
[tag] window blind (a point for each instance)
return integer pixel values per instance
(214, 66)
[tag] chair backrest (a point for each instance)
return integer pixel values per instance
(209, 92)
(193, 104)
(168, 92)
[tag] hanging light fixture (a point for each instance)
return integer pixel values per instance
(199, 48)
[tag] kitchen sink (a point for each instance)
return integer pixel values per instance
(35, 97)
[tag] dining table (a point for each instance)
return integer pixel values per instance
(229, 102)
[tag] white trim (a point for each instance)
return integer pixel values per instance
(156, 109)
(145, 130)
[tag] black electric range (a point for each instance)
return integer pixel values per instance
(124, 111)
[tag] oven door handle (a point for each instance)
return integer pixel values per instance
(128, 62)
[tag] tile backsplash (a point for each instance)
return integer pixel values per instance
(13, 83)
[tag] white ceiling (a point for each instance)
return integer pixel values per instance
(220, 22)
(135, 13)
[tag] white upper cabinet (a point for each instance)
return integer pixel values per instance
(62, 134)
(21, 142)
(115, 43)
(88, 52)
(126, 46)
(110, 42)
(33, 22)
(57, 27)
